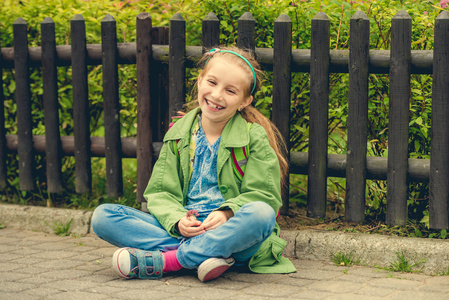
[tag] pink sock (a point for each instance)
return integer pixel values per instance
(171, 263)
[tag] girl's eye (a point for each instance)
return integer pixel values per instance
(211, 82)
(231, 91)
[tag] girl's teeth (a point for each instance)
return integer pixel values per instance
(214, 106)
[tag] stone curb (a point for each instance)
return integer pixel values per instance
(370, 249)
(36, 218)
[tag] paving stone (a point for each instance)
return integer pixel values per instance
(36, 279)
(91, 266)
(310, 294)
(298, 282)
(134, 283)
(70, 285)
(76, 296)
(222, 283)
(438, 280)
(4, 248)
(12, 241)
(167, 287)
(41, 293)
(107, 271)
(59, 264)
(52, 254)
(407, 295)
(99, 278)
(335, 286)
(207, 293)
(95, 242)
(87, 256)
(41, 238)
(316, 274)
(30, 270)
(190, 281)
(413, 276)
(350, 297)
(7, 276)
(15, 296)
(30, 260)
(26, 251)
(439, 288)
(248, 277)
(11, 266)
(80, 247)
(9, 257)
(143, 294)
(272, 290)
(375, 291)
(354, 278)
(395, 283)
(105, 289)
(16, 287)
(65, 274)
(104, 252)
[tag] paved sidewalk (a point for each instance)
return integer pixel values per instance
(36, 265)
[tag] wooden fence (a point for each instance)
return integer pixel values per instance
(399, 62)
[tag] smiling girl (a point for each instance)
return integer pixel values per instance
(201, 214)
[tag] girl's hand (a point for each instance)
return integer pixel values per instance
(189, 226)
(217, 218)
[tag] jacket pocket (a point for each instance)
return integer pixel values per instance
(277, 247)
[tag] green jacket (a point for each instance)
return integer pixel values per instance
(167, 189)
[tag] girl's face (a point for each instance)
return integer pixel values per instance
(222, 90)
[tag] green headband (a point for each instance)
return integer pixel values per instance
(215, 50)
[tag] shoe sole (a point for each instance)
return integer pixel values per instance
(213, 269)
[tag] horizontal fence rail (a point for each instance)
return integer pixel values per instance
(376, 167)
(379, 60)
(151, 60)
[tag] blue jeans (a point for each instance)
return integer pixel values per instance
(240, 237)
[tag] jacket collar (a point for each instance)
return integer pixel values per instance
(235, 133)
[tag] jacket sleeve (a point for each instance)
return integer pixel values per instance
(262, 179)
(164, 193)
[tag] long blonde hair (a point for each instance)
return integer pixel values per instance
(249, 113)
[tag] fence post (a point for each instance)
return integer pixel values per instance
(400, 63)
(176, 68)
(3, 147)
(211, 31)
(53, 150)
(111, 108)
(144, 130)
(246, 32)
(159, 87)
(319, 105)
(281, 89)
(23, 101)
(81, 114)
(357, 118)
(439, 160)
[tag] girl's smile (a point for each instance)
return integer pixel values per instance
(213, 106)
